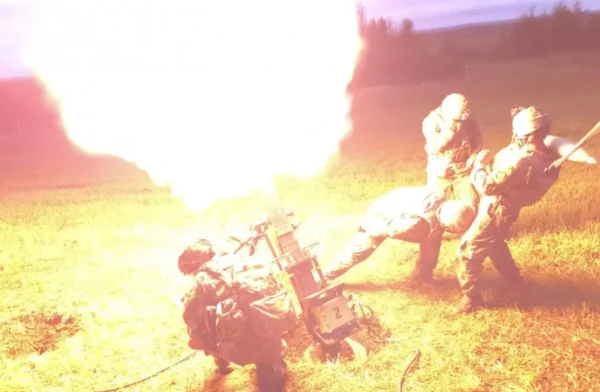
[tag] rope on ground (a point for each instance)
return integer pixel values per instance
(403, 378)
(368, 323)
(141, 380)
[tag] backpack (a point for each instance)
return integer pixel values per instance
(247, 298)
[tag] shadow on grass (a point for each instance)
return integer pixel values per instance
(547, 292)
(443, 289)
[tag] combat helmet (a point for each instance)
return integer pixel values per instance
(194, 256)
(455, 107)
(527, 121)
(456, 216)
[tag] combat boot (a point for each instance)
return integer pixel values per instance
(271, 377)
(470, 305)
(223, 366)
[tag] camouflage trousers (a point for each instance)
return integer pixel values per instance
(248, 349)
(486, 238)
(268, 355)
(270, 377)
(457, 188)
(364, 243)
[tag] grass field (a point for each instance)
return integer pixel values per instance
(88, 252)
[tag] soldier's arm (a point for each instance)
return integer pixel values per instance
(476, 138)
(475, 141)
(436, 139)
(497, 181)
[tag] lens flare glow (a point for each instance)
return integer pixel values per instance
(213, 98)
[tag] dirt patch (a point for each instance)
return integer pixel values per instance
(35, 333)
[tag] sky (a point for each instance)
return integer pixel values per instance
(426, 14)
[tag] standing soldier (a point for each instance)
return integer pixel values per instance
(412, 214)
(452, 139)
(516, 178)
(237, 312)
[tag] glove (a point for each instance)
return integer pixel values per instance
(483, 159)
(477, 178)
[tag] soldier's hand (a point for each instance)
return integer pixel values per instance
(445, 137)
(484, 158)
(477, 177)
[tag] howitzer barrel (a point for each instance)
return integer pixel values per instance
(289, 245)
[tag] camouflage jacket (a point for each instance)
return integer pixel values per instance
(517, 176)
(405, 213)
(449, 150)
(237, 310)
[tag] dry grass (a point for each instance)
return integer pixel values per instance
(35, 333)
(89, 246)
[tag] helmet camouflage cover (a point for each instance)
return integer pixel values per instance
(455, 107)
(528, 120)
(194, 256)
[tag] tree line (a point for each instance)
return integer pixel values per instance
(396, 53)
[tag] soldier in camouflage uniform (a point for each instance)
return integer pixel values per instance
(452, 140)
(218, 312)
(514, 178)
(412, 214)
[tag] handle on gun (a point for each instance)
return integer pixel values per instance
(556, 164)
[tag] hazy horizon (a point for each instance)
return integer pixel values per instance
(433, 14)
(426, 15)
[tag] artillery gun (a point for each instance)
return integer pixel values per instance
(326, 313)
